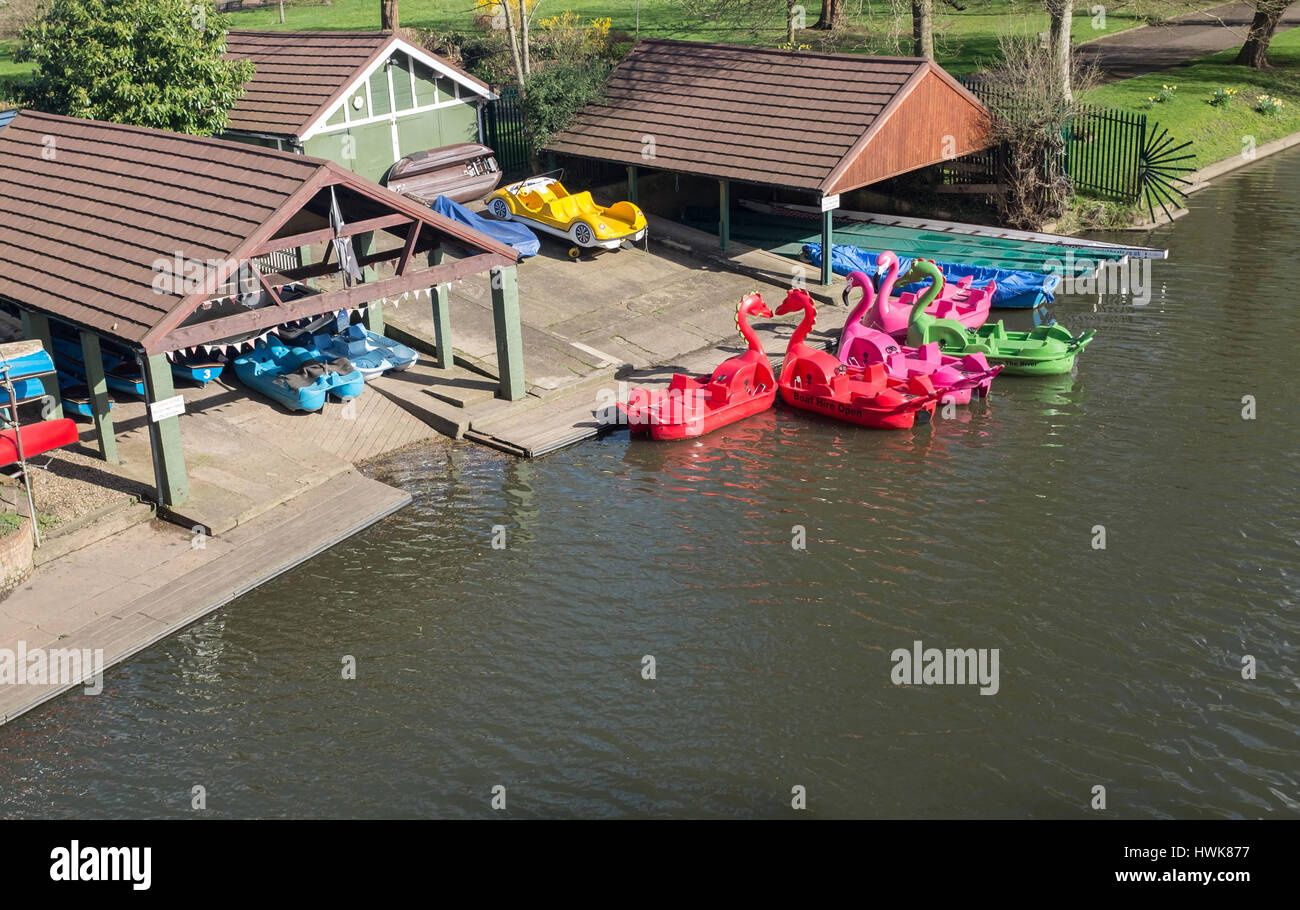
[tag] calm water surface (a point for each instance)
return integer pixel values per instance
(522, 667)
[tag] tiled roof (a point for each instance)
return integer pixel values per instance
(300, 74)
(87, 209)
(761, 115)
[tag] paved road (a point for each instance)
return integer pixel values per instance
(1157, 47)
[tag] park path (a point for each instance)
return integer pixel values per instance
(1156, 47)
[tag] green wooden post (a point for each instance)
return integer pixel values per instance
(510, 346)
(724, 214)
(36, 327)
(165, 436)
(304, 257)
(375, 317)
(631, 184)
(828, 235)
(97, 383)
(441, 300)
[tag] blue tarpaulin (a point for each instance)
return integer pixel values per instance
(508, 232)
(1014, 288)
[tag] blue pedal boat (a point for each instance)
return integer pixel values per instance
(296, 377)
(369, 352)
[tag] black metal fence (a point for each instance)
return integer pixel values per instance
(507, 135)
(1104, 147)
(1103, 151)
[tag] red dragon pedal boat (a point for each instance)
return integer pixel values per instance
(816, 381)
(739, 387)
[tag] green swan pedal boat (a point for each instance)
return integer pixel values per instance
(1048, 350)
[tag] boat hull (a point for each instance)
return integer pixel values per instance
(901, 417)
(700, 421)
(463, 173)
(36, 438)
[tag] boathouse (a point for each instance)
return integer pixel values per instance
(360, 99)
(823, 124)
(161, 243)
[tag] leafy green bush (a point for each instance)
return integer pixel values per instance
(155, 63)
(556, 93)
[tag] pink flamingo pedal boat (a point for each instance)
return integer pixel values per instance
(967, 305)
(860, 346)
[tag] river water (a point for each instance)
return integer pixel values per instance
(524, 667)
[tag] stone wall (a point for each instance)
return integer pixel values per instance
(16, 556)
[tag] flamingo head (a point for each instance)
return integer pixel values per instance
(797, 299)
(884, 262)
(859, 280)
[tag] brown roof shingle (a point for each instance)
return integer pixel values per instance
(88, 208)
(760, 115)
(299, 74)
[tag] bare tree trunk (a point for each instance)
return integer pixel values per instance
(523, 36)
(826, 19)
(1062, 15)
(789, 21)
(512, 36)
(282, 12)
(1254, 53)
(387, 15)
(923, 28)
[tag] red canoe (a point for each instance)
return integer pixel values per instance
(815, 381)
(739, 387)
(37, 438)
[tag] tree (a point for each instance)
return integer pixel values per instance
(514, 18)
(1061, 15)
(923, 29)
(1268, 13)
(830, 15)
(155, 63)
(1028, 125)
(387, 15)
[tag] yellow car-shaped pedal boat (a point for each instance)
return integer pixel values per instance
(544, 204)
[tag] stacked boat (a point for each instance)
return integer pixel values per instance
(25, 367)
(327, 358)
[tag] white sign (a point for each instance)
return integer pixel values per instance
(830, 203)
(168, 407)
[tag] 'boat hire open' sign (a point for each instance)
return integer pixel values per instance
(168, 407)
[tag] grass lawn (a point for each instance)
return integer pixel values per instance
(964, 39)
(1217, 132)
(8, 68)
